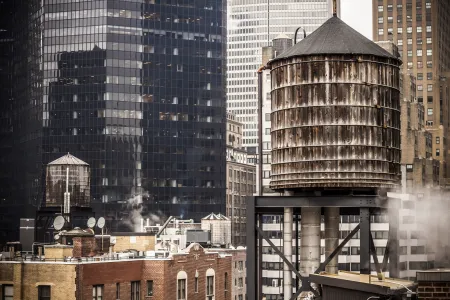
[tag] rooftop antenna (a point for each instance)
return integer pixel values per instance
(67, 196)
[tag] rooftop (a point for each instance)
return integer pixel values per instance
(364, 283)
(335, 37)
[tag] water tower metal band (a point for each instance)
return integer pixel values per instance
(364, 206)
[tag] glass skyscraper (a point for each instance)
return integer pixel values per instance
(136, 89)
(253, 24)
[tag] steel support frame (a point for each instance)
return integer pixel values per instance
(365, 206)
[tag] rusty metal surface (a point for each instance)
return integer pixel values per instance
(335, 122)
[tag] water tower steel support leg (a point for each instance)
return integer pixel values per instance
(260, 259)
(364, 254)
(287, 249)
(393, 239)
(297, 266)
(252, 258)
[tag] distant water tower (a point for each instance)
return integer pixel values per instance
(68, 182)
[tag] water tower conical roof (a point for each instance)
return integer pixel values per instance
(68, 159)
(335, 37)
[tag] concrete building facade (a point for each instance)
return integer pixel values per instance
(240, 179)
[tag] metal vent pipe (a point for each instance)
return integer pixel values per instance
(310, 243)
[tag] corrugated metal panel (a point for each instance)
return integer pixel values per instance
(335, 122)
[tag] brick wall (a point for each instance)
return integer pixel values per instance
(28, 276)
(163, 273)
(434, 290)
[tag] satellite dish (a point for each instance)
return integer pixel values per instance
(91, 222)
(57, 237)
(101, 222)
(59, 222)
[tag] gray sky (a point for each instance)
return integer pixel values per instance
(358, 14)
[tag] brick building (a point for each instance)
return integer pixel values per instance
(192, 274)
(433, 284)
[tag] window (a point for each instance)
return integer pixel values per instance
(149, 287)
(419, 41)
(380, 20)
(117, 291)
(430, 111)
(380, 31)
(428, 5)
(409, 29)
(44, 292)
(267, 117)
(181, 285)
(408, 219)
(429, 76)
(400, 30)
(196, 285)
(419, 76)
(419, 52)
(409, 53)
(430, 88)
(430, 99)
(210, 287)
(241, 282)
(210, 284)
(8, 292)
(429, 64)
(225, 286)
(428, 40)
(420, 87)
(419, 65)
(420, 99)
(389, 7)
(267, 131)
(97, 292)
(400, 42)
(428, 28)
(135, 290)
(380, 8)
(409, 41)
(390, 19)
(429, 52)
(438, 152)
(429, 123)
(419, 28)
(266, 174)
(417, 249)
(438, 140)
(240, 265)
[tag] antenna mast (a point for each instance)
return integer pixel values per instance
(67, 196)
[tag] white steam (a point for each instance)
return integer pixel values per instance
(135, 215)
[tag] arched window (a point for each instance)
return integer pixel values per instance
(225, 285)
(210, 282)
(182, 285)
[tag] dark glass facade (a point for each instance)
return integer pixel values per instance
(7, 205)
(134, 88)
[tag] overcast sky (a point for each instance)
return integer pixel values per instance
(358, 14)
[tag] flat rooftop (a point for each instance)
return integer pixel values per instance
(364, 283)
(434, 275)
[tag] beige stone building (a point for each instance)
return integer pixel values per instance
(241, 180)
(421, 29)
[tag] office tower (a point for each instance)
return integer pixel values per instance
(251, 26)
(134, 88)
(421, 29)
(240, 179)
(7, 220)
